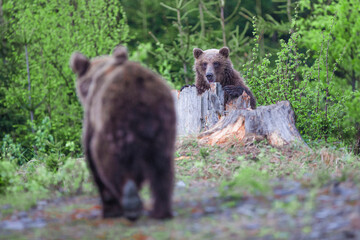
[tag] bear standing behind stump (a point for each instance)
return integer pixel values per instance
(129, 132)
(214, 65)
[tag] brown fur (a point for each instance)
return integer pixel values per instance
(214, 65)
(128, 130)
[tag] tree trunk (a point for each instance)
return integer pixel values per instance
(205, 115)
(29, 89)
(201, 17)
(222, 21)
(357, 139)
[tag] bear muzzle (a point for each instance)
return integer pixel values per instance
(210, 77)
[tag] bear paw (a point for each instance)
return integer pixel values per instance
(233, 91)
(131, 201)
(187, 85)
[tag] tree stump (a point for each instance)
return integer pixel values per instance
(206, 116)
(196, 113)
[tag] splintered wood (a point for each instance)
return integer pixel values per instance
(196, 113)
(205, 115)
(275, 123)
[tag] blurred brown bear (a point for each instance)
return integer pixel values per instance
(129, 132)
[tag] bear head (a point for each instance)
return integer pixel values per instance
(211, 64)
(87, 70)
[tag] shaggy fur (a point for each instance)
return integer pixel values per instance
(128, 132)
(214, 65)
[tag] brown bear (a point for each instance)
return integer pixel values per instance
(214, 65)
(129, 132)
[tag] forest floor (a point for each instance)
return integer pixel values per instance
(238, 191)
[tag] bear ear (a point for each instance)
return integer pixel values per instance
(79, 63)
(224, 51)
(121, 54)
(197, 52)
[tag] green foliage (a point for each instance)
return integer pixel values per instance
(72, 177)
(12, 152)
(314, 81)
(338, 22)
(248, 179)
(204, 152)
(43, 86)
(318, 103)
(338, 19)
(21, 201)
(310, 59)
(7, 169)
(43, 135)
(291, 206)
(189, 24)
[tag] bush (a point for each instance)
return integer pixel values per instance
(72, 177)
(318, 103)
(11, 151)
(7, 170)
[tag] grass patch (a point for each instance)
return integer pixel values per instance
(34, 181)
(247, 180)
(249, 169)
(22, 201)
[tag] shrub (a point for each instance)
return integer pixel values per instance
(7, 170)
(318, 103)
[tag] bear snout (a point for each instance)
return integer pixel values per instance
(210, 77)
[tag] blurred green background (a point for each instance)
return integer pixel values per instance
(306, 52)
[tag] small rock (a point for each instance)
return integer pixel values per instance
(41, 204)
(6, 206)
(252, 226)
(95, 213)
(210, 209)
(38, 223)
(13, 225)
(22, 214)
(244, 211)
(315, 235)
(197, 215)
(324, 198)
(215, 195)
(333, 225)
(339, 202)
(26, 220)
(284, 192)
(323, 214)
(261, 211)
(180, 184)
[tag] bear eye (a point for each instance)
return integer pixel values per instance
(216, 64)
(204, 65)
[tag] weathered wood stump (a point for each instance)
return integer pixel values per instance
(205, 115)
(275, 123)
(198, 113)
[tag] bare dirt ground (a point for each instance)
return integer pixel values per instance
(305, 195)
